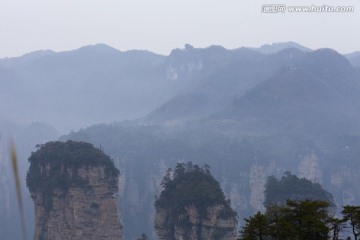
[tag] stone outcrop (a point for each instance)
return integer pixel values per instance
(192, 206)
(257, 182)
(74, 198)
(213, 226)
(309, 168)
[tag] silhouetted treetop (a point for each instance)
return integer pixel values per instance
(189, 184)
(54, 164)
(292, 187)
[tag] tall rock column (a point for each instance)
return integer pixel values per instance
(192, 206)
(74, 187)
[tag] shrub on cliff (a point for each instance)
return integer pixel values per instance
(292, 187)
(61, 157)
(191, 185)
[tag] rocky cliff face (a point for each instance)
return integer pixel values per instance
(78, 198)
(214, 226)
(192, 206)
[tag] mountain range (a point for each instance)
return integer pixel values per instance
(248, 112)
(98, 83)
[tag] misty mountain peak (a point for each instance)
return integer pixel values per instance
(277, 47)
(188, 47)
(26, 58)
(354, 58)
(290, 52)
(99, 48)
(328, 55)
(39, 53)
(328, 63)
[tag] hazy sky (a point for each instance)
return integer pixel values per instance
(162, 25)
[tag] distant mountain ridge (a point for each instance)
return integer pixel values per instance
(328, 89)
(224, 84)
(277, 47)
(93, 82)
(286, 85)
(98, 83)
(354, 58)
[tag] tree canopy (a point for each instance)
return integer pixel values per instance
(296, 220)
(302, 220)
(189, 184)
(352, 215)
(61, 156)
(292, 187)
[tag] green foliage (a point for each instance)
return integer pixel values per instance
(191, 185)
(292, 187)
(297, 220)
(61, 157)
(301, 220)
(309, 218)
(336, 225)
(352, 214)
(256, 227)
(305, 216)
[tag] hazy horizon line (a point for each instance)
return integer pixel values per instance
(169, 52)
